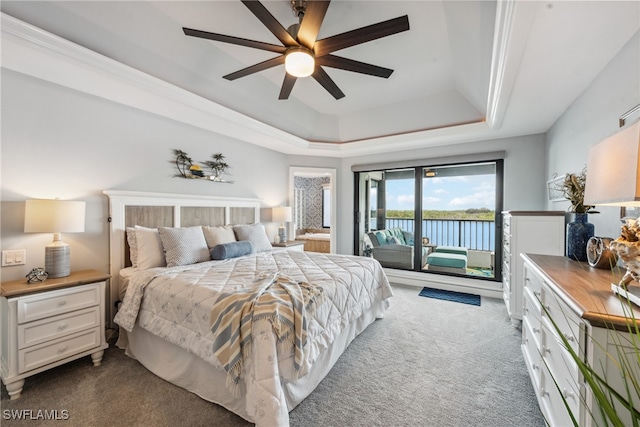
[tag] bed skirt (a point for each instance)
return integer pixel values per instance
(177, 366)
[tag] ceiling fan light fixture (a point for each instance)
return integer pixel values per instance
(299, 62)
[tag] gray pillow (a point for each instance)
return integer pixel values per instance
(231, 250)
(254, 233)
(184, 246)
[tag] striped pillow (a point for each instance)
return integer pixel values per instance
(184, 246)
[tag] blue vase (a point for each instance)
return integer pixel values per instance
(579, 231)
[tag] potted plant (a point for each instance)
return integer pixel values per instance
(579, 230)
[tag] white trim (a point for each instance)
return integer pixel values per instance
(416, 279)
(513, 23)
(34, 52)
(293, 170)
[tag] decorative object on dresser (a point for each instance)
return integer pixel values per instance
(188, 169)
(614, 181)
(598, 253)
(51, 323)
(540, 232)
(55, 216)
(579, 230)
(282, 214)
(580, 345)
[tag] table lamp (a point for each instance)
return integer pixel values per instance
(55, 216)
(613, 179)
(282, 214)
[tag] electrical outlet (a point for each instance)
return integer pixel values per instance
(16, 257)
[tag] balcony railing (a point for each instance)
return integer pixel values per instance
(477, 235)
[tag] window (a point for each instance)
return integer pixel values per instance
(455, 207)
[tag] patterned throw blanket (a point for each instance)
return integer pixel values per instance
(283, 302)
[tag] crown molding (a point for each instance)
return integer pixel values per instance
(32, 51)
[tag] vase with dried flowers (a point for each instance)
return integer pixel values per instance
(579, 230)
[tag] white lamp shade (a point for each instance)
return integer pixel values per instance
(54, 216)
(613, 170)
(281, 214)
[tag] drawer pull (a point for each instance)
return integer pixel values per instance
(534, 366)
(569, 337)
(536, 330)
(545, 349)
(568, 394)
(544, 392)
(62, 326)
(537, 294)
(63, 349)
(62, 303)
(525, 310)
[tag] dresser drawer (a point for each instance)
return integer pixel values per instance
(531, 353)
(566, 321)
(553, 407)
(43, 330)
(531, 317)
(52, 351)
(532, 282)
(58, 302)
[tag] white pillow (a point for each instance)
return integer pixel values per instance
(149, 247)
(133, 246)
(256, 234)
(184, 246)
(218, 235)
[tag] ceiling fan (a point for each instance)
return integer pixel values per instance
(304, 55)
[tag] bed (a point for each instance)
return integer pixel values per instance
(168, 315)
(315, 242)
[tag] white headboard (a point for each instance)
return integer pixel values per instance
(129, 208)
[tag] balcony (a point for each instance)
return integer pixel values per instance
(478, 235)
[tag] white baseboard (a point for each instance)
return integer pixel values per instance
(450, 283)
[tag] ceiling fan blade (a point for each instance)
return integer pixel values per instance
(361, 35)
(270, 22)
(355, 66)
(287, 86)
(269, 63)
(311, 23)
(323, 78)
(234, 40)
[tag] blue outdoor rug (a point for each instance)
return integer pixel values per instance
(442, 294)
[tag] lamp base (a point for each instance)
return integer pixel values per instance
(57, 259)
(282, 233)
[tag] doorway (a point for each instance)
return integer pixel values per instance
(312, 195)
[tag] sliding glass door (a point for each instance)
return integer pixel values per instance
(439, 219)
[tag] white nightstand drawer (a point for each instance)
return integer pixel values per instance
(52, 303)
(43, 330)
(49, 352)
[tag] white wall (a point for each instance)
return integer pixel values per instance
(592, 117)
(58, 142)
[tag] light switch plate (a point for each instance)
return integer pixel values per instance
(15, 257)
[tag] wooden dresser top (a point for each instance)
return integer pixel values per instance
(21, 287)
(585, 288)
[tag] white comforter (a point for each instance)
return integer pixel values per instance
(175, 304)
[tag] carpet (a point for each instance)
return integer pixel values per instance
(453, 296)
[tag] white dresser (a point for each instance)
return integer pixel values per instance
(50, 323)
(537, 232)
(579, 300)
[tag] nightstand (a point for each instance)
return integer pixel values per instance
(51, 323)
(290, 245)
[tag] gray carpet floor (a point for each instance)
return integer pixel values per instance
(427, 363)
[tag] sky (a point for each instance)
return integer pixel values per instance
(444, 193)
